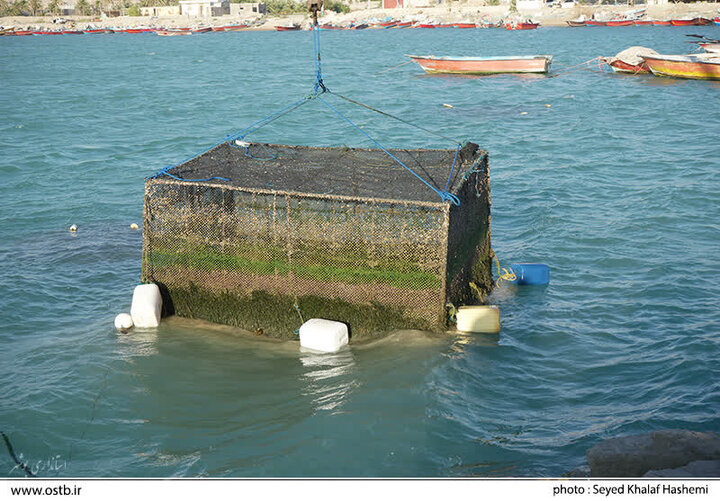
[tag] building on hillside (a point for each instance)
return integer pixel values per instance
(529, 4)
(204, 8)
(160, 11)
(66, 9)
(399, 4)
(247, 9)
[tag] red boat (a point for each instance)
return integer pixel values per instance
(236, 27)
(172, 33)
(643, 23)
(623, 67)
(630, 60)
(711, 46)
(464, 25)
(131, 30)
(294, 27)
(445, 25)
(521, 26)
(662, 23)
(592, 22)
(717, 20)
(403, 25)
(94, 32)
(218, 28)
(331, 27)
(621, 22)
(50, 32)
(22, 33)
(72, 32)
(425, 26)
(483, 65)
(682, 22)
(702, 21)
(202, 30)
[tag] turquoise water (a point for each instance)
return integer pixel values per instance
(615, 187)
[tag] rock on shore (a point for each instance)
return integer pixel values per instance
(636, 455)
(695, 469)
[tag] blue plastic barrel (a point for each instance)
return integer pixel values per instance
(531, 274)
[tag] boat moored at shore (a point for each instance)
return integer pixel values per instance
(483, 65)
(172, 33)
(521, 26)
(630, 60)
(696, 67)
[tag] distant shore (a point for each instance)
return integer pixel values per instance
(452, 13)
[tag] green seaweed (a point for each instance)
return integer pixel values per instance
(405, 277)
(276, 315)
(402, 257)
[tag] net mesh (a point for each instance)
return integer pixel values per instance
(300, 232)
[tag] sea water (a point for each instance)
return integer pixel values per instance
(614, 185)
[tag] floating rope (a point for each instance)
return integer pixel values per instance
(393, 67)
(92, 412)
(505, 274)
(584, 64)
(11, 451)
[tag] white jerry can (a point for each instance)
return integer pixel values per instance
(485, 319)
(146, 306)
(323, 335)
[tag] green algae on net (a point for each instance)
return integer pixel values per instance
(335, 233)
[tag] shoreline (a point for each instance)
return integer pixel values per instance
(465, 13)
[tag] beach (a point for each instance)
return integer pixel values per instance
(473, 12)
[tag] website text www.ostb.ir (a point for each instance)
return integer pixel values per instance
(50, 490)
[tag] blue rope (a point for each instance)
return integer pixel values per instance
(447, 184)
(229, 139)
(165, 171)
(319, 85)
(444, 195)
(270, 118)
(392, 116)
(319, 88)
(196, 180)
(272, 156)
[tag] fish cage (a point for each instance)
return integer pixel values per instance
(265, 236)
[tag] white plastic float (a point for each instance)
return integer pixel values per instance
(146, 306)
(123, 322)
(481, 319)
(323, 335)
